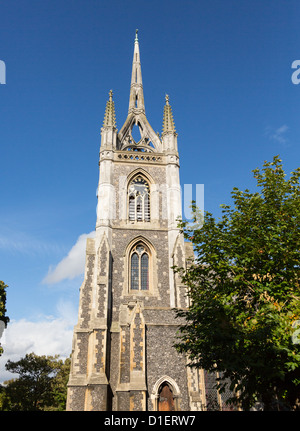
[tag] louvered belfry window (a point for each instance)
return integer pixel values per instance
(139, 268)
(139, 200)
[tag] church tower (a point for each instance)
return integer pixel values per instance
(122, 355)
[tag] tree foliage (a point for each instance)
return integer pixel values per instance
(3, 318)
(41, 384)
(244, 292)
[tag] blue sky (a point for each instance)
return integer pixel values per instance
(226, 65)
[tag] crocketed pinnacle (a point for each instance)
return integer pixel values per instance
(110, 116)
(168, 121)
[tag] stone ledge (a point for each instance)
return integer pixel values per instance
(97, 379)
(77, 381)
(126, 387)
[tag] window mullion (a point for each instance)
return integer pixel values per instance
(140, 273)
(140, 192)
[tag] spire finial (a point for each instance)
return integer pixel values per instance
(136, 35)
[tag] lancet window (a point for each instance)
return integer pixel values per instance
(139, 268)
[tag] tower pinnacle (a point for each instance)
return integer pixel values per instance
(110, 117)
(168, 121)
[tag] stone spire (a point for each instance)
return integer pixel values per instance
(136, 98)
(110, 116)
(168, 121)
(136, 112)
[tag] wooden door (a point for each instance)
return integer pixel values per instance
(166, 399)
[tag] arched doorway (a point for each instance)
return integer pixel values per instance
(166, 398)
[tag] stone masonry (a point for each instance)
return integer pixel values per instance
(122, 353)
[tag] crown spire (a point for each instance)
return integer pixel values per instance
(110, 116)
(136, 98)
(168, 121)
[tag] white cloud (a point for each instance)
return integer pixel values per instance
(47, 336)
(278, 135)
(282, 129)
(72, 265)
(20, 242)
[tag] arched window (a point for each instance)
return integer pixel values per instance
(139, 200)
(139, 268)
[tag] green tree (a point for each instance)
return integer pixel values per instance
(41, 385)
(244, 292)
(59, 385)
(3, 318)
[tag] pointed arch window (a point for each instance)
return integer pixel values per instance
(138, 200)
(139, 268)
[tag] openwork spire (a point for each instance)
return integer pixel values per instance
(110, 116)
(168, 121)
(136, 117)
(136, 98)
